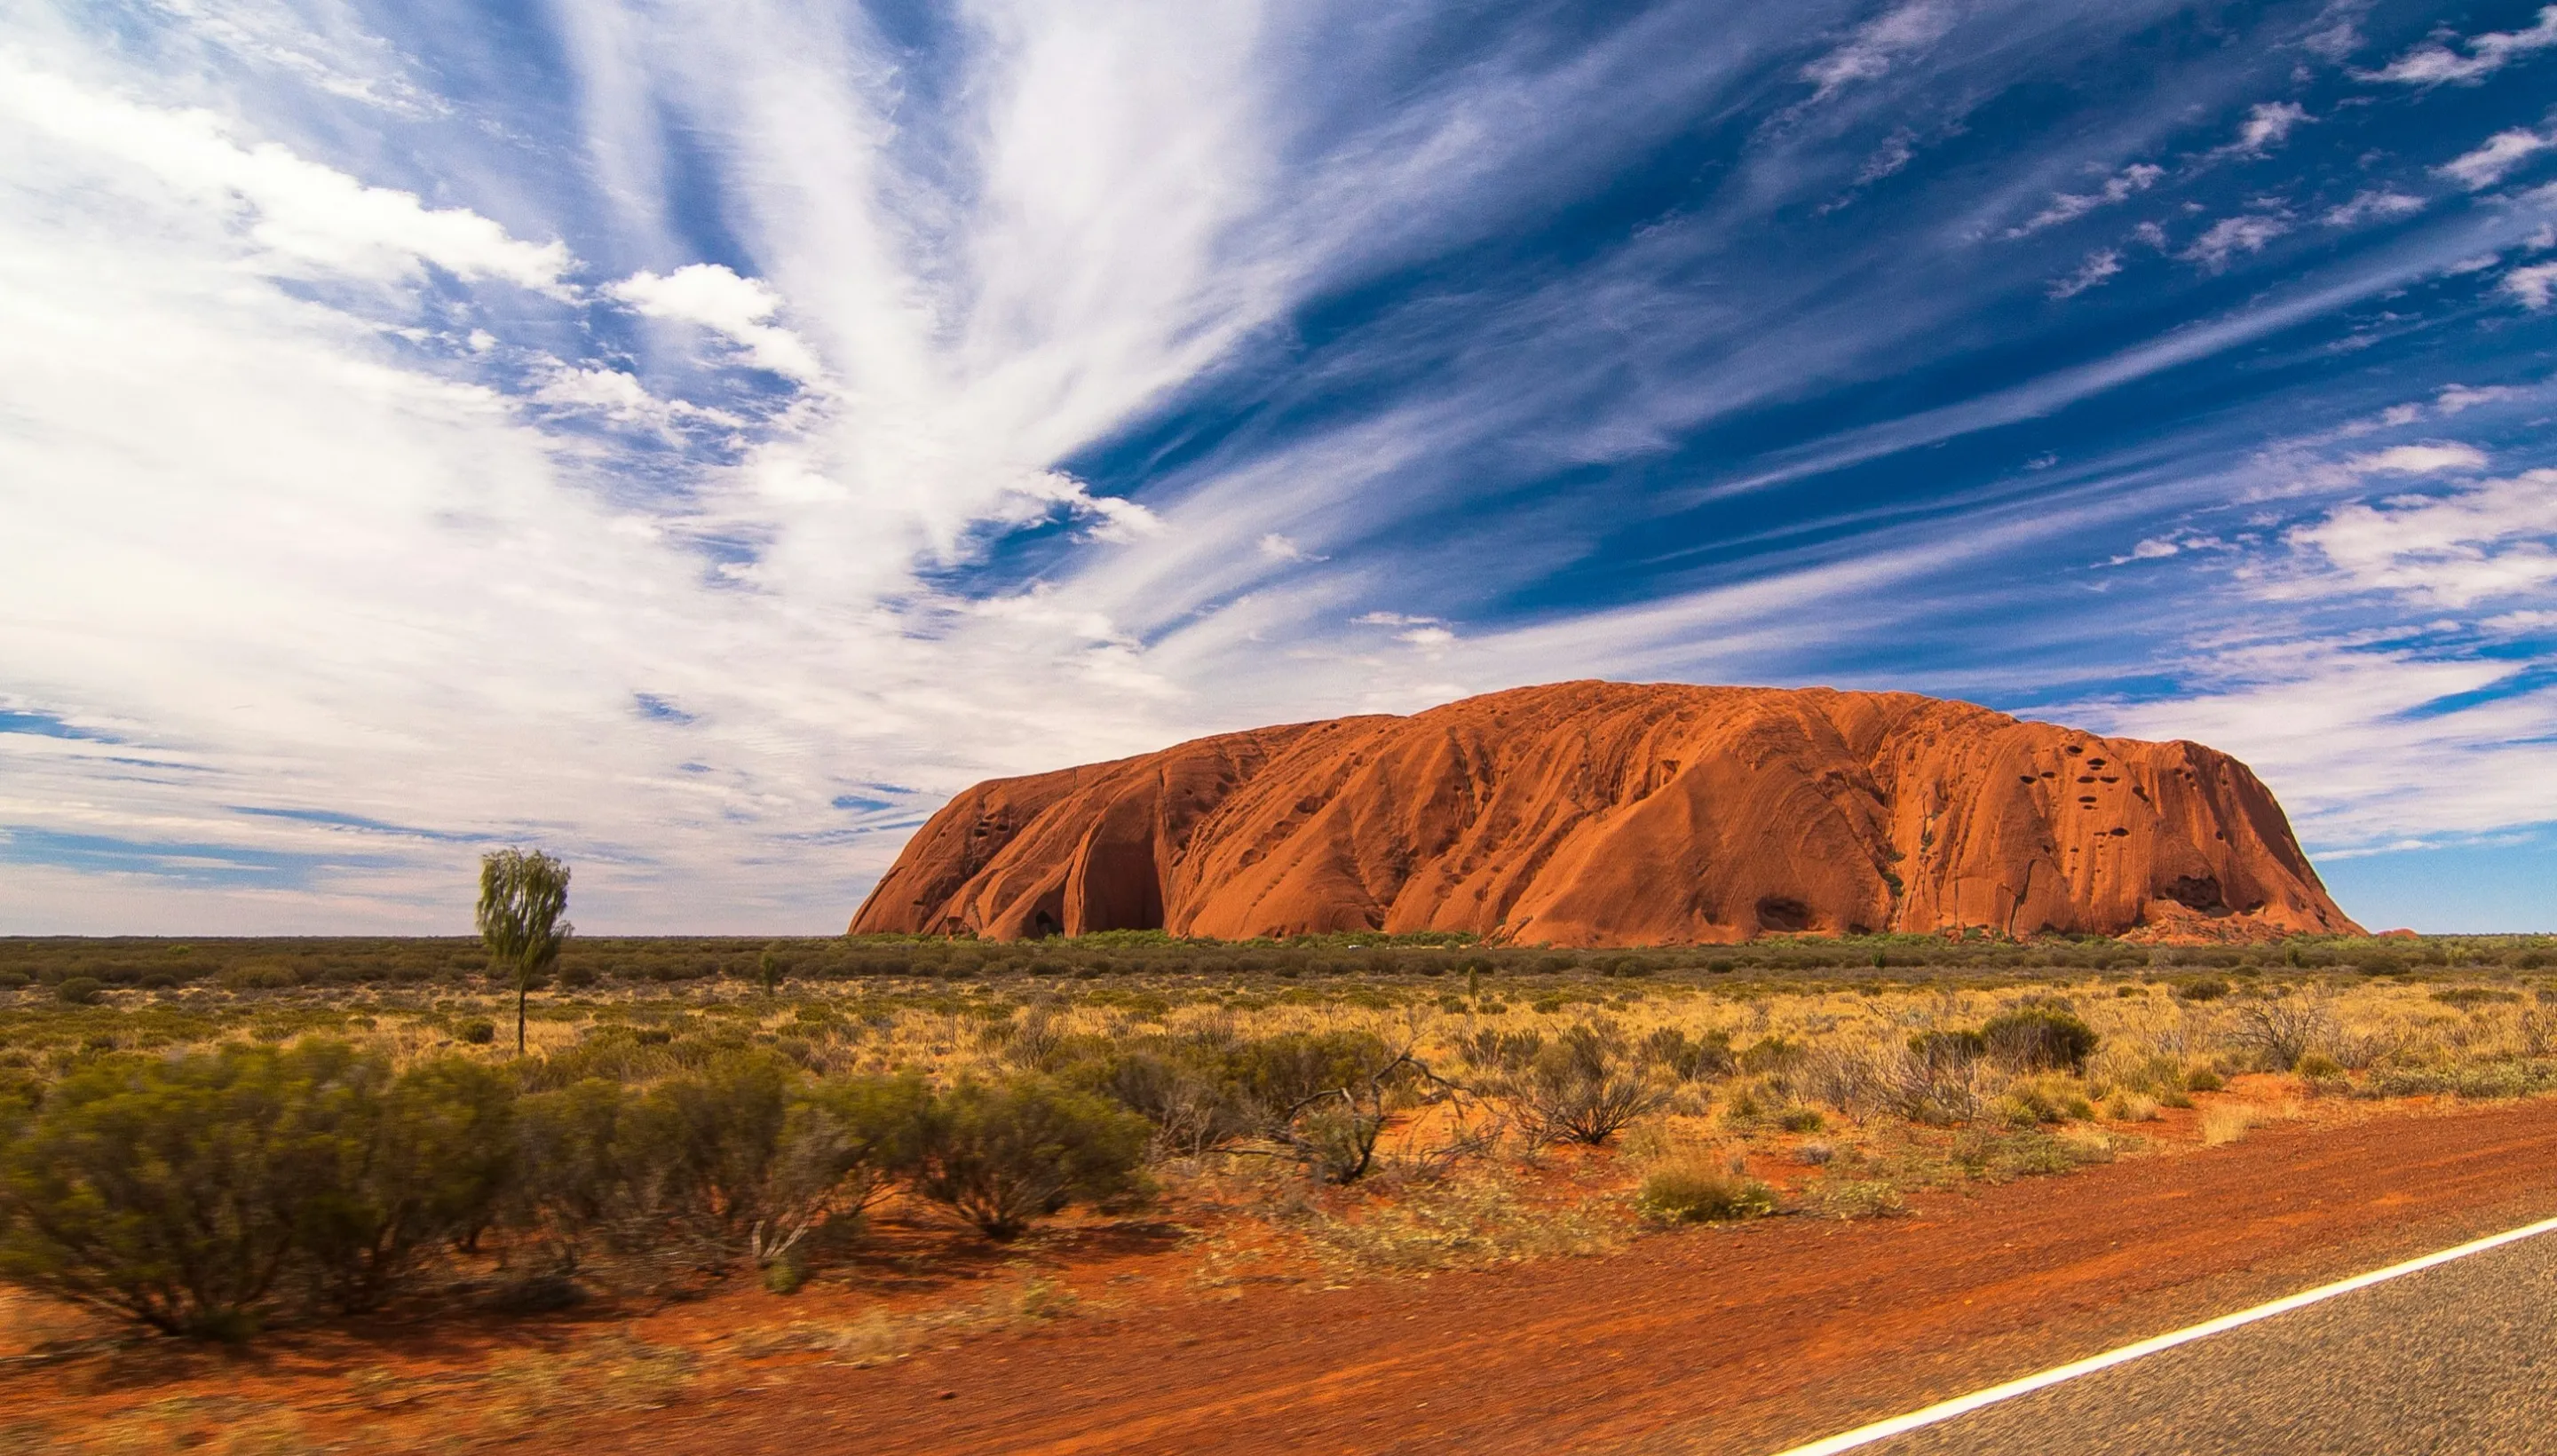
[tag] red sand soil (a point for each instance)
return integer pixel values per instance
(1594, 813)
(1737, 1338)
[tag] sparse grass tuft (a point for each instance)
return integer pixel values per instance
(2227, 1123)
(1693, 1191)
(1464, 1221)
(1854, 1198)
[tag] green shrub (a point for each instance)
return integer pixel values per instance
(1801, 1120)
(1187, 1090)
(1691, 1059)
(479, 1032)
(404, 1165)
(1322, 1098)
(162, 1190)
(81, 990)
(2203, 1079)
(1947, 1051)
(1770, 1054)
(2202, 989)
(1695, 1193)
(1001, 1156)
(2040, 1037)
(578, 1180)
(1584, 1089)
(750, 1160)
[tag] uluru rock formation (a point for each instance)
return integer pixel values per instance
(1598, 813)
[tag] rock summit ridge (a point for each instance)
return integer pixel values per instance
(1600, 812)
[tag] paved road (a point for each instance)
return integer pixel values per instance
(2461, 1358)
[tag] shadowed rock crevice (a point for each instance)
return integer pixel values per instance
(1595, 813)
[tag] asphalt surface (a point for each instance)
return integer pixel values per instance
(2458, 1358)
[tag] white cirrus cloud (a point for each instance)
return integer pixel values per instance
(2489, 52)
(2099, 267)
(2122, 186)
(2496, 156)
(2246, 233)
(2535, 285)
(2377, 202)
(1284, 548)
(2418, 460)
(2267, 125)
(2455, 398)
(2355, 740)
(737, 308)
(618, 396)
(2486, 542)
(1876, 45)
(302, 215)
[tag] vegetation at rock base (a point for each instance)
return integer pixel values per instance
(278, 1131)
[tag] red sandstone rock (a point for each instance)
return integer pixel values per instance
(1594, 813)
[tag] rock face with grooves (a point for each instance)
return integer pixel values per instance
(1596, 813)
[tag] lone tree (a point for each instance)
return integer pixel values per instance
(521, 898)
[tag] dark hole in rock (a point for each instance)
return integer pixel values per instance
(1777, 912)
(2196, 892)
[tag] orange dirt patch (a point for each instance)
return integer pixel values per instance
(1734, 1339)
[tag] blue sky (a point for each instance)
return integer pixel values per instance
(698, 438)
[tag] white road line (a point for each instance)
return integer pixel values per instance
(1865, 1435)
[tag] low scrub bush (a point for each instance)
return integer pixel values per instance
(183, 1192)
(2281, 1031)
(1856, 1198)
(1690, 1059)
(1004, 1156)
(749, 1161)
(2130, 1106)
(2032, 1102)
(2227, 1123)
(2040, 1038)
(1947, 1051)
(1466, 1222)
(1696, 1192)
(1998, 1157)
(406, 1164)
(1585, 1088)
